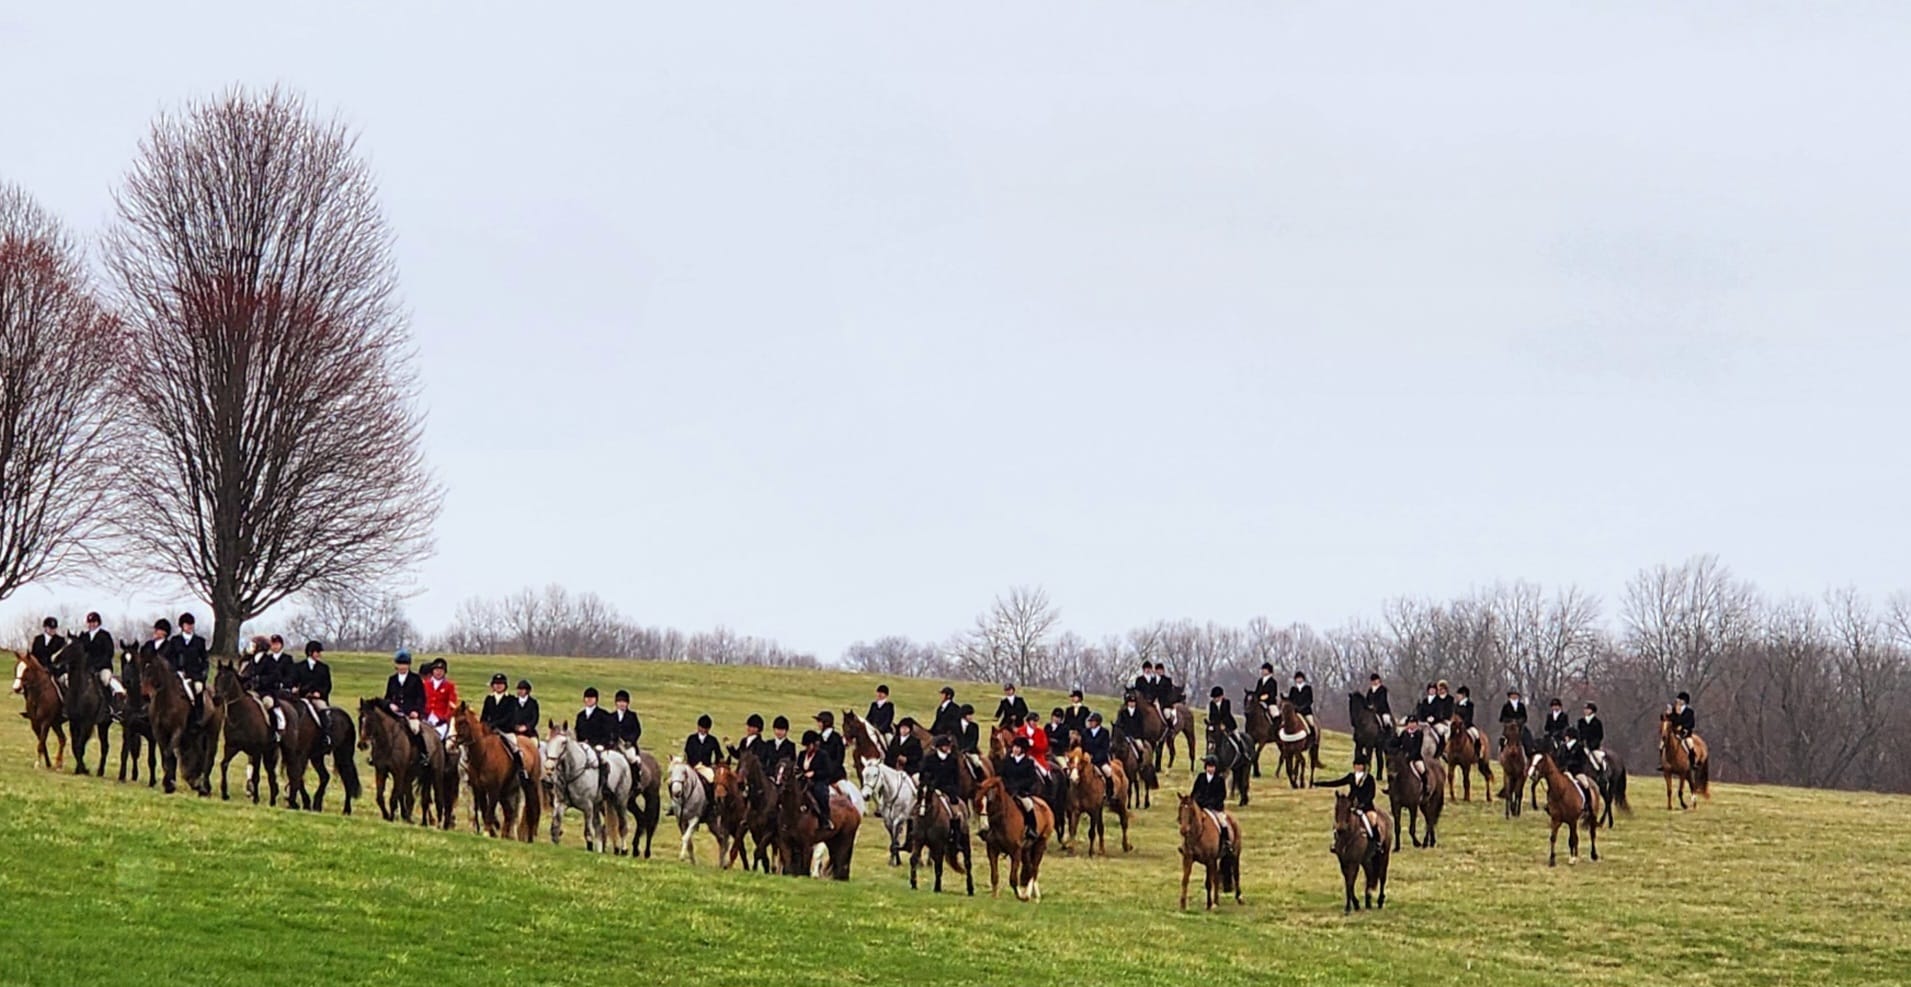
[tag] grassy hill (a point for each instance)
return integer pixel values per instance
(115, 884)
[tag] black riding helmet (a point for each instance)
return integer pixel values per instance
(1217, 692)
(755, 720)
(311, 647)
(703, 722)
(497, 678)
(50, 623)
(811, 737)
(945, 741)
(1211, 761)
(780, 723)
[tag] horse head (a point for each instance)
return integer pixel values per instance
(225, 682)
(1187, 817)
(20, 668)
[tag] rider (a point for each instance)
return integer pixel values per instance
(1463, 708)
(1220, 711)
(1146, 686)
(881, 717)
(593, 728)
(832, 741)
(1427, 709)
(702, 751)
(1592, 733)
(1411, 744)
(1097, 743)
(99, 656)
(1128, 718)
(1572, 753)
(942, 772)
(500, 708)
(1685, 720)
(1556, 721)
(47, 643)
(1443, 702)
(265, 670)
(1022, 781)
(905, 754)
(1057, 730)
(190, 651)
(405, 695)
(822, 772)
(628, 729)
(971, 737)
(1377, 701)
(780, 748)
(752, 742)
(1301, 697)
(1514, 711)
(441, 697)
(1361, 790)
(312, 678)
(524, 715)
(1074, 716)
(948, 717)
(1037, 739)
(1267, 691)
(1167, 694)
(1211, 794)
(1012, 709)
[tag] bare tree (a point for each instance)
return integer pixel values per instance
(1687, 623)
(275, 440)
(896, 655)
(352, 621)
(1011, 642)
(57, 344)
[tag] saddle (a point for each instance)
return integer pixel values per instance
(1587, 790)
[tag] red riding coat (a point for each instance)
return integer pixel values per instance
(1037, 742)
(441, 697)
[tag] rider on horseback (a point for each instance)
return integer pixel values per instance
(1514, 711)
(881, 716)
(441, 697)
(628, 729)
(1463, 708)
(1057, 730)
(942, 774)
(1556, 721)
(906, 754)
(100, 649)
(823, 772)
(405, 696)
(1097, 743)
(1211, 795)
(1220, 711)
(500, 714)
(1012, 710)
(1301, 696)
(1686, 721)
(1412, 744)
(752, 742)
(702, 751)
(780, 748)
(1377, 701)
(1022, 782)
(1592, 733)
(1267, 691)
(1361, 790)
(1074, 716)
(193, 664)
(948, 717)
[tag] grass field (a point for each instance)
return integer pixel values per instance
(108, 883)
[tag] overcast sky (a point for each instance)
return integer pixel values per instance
(827, 321)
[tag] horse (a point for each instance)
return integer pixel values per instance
(495, 784)
(1406, 790)
(1201, 841)
(88, 711)
(690, 802)
(759, 818)
(731, 808)
(1230, 754)
(1257, 724)
(1569, 803)
(1136, 757)
(1370, 736)
(303, 736)
(1689, 769)
(1513, 764)
(867, 743)
(184, 747)
(46, 709)
(646, 801)
(797, 828)
(135, 723)
(1005, 834)
(941, 830)
(1359, 852)
(1159, 732)
(596, 784)
(1299, 744)
(893, 795)
(1089, 795)
(1466, 752)
(249, 732)
(438, 783)
(384, 734)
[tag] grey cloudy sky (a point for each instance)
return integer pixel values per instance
(827, 321)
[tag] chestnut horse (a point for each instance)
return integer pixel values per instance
(1466, 752)
(46, 711)
(1357, 852)
(1005, 834)
(495, 785)
(1691, 769)
(1088, 795)
(1296, 742)
(1201, 841)
(1570, 802)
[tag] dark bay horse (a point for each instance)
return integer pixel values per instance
(1369, 734)
(941, 832)
(1406, 790)
(1230, 752)
(1570, 802)
(646, 801)
(1137, 763)
(438, 786)
(1299, 745)
(135, 722)
(797, 827)
(88, 712)
(46, 711)
(1160, 733)
(384, 735)
(249, 732)
(759, 818)
(1358, 852)
(185, 748)
(1513, 765)
(865, 743)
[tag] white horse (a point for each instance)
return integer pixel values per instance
(690, 803)
(893, 793)
(596, 785)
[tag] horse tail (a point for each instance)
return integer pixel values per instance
(1702, 777)
(1619, 793)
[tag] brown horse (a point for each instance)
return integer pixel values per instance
(867, 744)
(185, 748)
(46, 710)
(1006, 834)
(1137, 764)
(1357, 852)
(302, 742)
(939, 829)
(1297, 744)
(1089, 795)
(1201, 841)
(135, 724)
(730, 807)
(438, 788)
(759, 817)
(1407, 790)
(797, 828)
(496, 787)
(646, 801)
(1570, 802)
(1159, 733)
(1690, 769)
(86, 704)
(249, 732)
(1466, 752)
(384, 734)
(1513, 766)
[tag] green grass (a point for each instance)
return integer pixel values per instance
(110, 883)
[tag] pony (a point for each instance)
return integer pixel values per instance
(1299, 745)
(1369, 734)
(1513, 764)
(797, 827)
(892, 793)
(1406, 790)
(646, 801)
(1005, 834)
(1201, 842)
(690, 802)
(46, 710)
(249, 732)
(87, 709)
(1089, 795)
(759, 817)
(939, 829)
(495, 785)
(596, 785)
(1231, 755)
(1570, 802)
(1358, 852)
(1688, 769)
(135, 723)
(184, 747)
(384, 734)
(1137, 764)
(1466, 752)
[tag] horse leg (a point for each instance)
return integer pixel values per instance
(325, 779)
(995, 877)
(1572, 842)
(1187, 870)
(225, 794)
